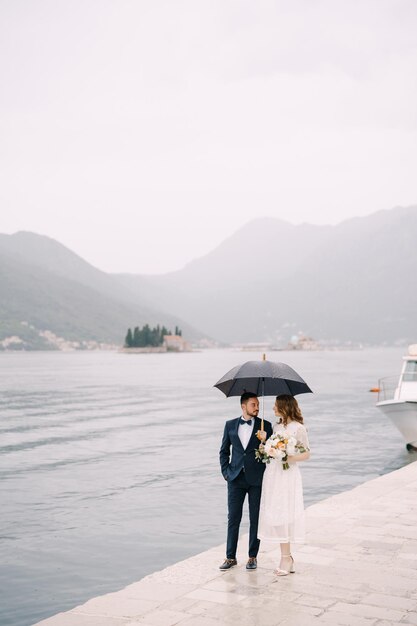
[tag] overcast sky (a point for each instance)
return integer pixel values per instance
(141, 134)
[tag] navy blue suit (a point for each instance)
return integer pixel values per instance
(244, 476)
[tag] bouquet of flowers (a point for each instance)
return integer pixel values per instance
(279, 447)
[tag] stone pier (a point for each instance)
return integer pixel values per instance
(358, 567)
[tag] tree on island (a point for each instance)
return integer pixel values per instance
(129, 339)
(148, 337)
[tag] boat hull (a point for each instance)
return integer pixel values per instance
(403, 414)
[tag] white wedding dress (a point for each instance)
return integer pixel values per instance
(281, 513)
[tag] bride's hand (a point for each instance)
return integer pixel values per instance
(291, 459)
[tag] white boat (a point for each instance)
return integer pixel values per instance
(397, 398)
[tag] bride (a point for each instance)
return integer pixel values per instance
(281, 515)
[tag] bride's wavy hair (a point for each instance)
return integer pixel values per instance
(287, 407)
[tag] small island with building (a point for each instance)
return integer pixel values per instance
(158, 339)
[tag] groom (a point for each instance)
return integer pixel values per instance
(244, 476)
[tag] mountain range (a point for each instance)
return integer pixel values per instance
(44, 286)
(354, 281)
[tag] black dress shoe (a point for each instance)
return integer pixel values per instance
(228, 563)
(252, 563)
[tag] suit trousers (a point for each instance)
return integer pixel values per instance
(236, 493)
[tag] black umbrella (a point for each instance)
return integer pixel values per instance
(265, 378)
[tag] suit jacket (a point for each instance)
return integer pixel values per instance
(241, 458)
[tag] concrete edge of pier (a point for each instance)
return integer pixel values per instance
(358, 567)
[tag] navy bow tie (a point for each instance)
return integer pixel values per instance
(242, 421)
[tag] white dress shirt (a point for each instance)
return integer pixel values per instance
(245, 432)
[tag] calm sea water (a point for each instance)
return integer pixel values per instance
(109, 462)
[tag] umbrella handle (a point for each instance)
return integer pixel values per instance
(263, 402)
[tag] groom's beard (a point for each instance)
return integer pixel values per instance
(254, 414)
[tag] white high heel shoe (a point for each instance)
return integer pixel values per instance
(285, 572)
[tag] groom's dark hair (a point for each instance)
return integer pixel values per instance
(246, 396)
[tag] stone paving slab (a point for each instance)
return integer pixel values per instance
(358, 568)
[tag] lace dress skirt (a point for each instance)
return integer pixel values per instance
(281, 513)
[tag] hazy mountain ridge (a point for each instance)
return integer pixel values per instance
(352, 281)
(49, 287)
(221, 277)
(349, 282)
(360, 284)
(50, 255)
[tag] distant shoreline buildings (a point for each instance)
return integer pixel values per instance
(297, 342)
(302, 342)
